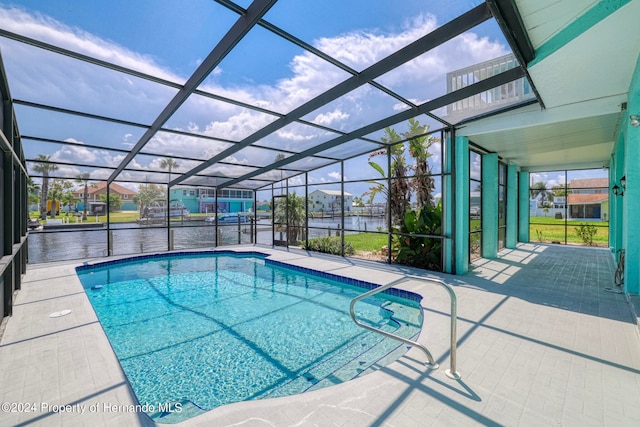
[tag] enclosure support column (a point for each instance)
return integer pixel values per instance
(448, 210)
(7, 280)
(389, 197)
(613, 209)
(254, 227)
(631, 202)
(523, 203)
(24, 214)
(8, 220)
(630, 209)
(306, 210)
(215, 215)
(490, 206)
(168, 219)
(512, 206)
(461, 214)
(109, 233)
(616, 225)
(342, 206)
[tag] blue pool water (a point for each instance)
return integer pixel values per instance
(197, 331)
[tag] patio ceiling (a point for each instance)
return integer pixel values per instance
(586, 54)
(233, 91)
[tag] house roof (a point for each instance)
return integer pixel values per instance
(333, 193)
(589, 183)
(102, 185)
(586, 199)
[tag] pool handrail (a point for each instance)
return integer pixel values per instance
(451, 372)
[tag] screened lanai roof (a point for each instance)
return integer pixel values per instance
(244, 93)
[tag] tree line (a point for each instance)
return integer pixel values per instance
(59, 191)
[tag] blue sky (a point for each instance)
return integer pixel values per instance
(178, 34)
(553, 178)
(169, 39)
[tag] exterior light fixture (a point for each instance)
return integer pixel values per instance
(615, 189)
(619, 190)
(634, 120)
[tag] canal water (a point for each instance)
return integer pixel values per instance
(49, 246)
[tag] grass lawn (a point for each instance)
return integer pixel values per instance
(123, 216)
(542, 229)
(114, 217)
(367, 242)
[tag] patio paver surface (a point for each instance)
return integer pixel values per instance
(540, 342)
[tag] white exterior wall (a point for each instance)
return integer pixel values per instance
(327, 201)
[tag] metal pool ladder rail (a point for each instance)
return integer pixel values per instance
(431, 364)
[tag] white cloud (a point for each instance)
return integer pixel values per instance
(328, 119)
(399, 106)
(171, 145)
(238, 126)
(85, 155)
(293, 136)
(361, 49)
(335, 176)
(41, 27)
(52, 79)
(549, 178)
(238, 161)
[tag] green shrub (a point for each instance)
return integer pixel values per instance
(419, 251)
(586, 233)
(330, 245)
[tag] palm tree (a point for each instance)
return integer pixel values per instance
(68, 199)
(540, 189)
(400, 192)
(559, 190)
(147, 194)
(32, 189)
(44, 167)
(59, 188)
(419, 150)
(279, 157)
(83, 178)
(170, 164)
(113, 202)
(293, 211)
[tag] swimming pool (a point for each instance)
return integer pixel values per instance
(195, 331)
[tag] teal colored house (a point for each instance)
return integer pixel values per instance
(203, 200)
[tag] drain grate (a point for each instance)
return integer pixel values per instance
(59, 313)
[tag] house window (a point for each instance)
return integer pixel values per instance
(502, 205)
(125, 196)
(475, 205)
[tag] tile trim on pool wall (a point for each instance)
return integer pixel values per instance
(86, 266)
(400, 293)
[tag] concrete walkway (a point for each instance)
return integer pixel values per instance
(540, 342)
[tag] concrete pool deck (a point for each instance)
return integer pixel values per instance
(540, 342)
